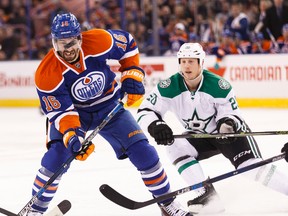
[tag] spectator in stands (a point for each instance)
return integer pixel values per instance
(207, 19)
(241, 45)
(251, 9)
(283, 45)
(218, 26)
(2, 55)
(263, 6)
(6, 5)
(177, 38)
(260, 45)
(226, 46)
(11, 42)
(165, 14)
(164, 36)
(192, 35)
(42, 46)
(193, 38)
(276, 17)
(3, 17)
(238, 22)
(19, 17)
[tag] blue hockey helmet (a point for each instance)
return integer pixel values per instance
(64, 26)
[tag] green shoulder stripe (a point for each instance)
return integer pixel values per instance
(172, 86)
(215, 85)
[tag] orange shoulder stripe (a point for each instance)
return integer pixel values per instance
(96, 41)
(49, 73)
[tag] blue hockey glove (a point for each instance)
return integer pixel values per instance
(132, 85)
(73, 138)
(161, 132)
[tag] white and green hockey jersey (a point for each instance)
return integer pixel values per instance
(197, 111)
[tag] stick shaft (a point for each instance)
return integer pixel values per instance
(125, 202)
(227, 135)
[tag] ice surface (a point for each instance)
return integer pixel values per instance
(22, 145)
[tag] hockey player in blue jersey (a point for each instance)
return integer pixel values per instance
(77, 90)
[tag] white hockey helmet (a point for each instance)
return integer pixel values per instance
(191, 50)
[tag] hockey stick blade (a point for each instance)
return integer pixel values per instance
(6, 212)
(61, 209)
(125, 202)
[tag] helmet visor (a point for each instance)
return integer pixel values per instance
(66, 43)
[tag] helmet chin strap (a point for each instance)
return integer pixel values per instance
(195, 81)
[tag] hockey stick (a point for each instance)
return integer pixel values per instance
(61, 209)
(70, 159)
(125, 202)
(227, 135)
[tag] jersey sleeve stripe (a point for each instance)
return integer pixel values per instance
(66, 121)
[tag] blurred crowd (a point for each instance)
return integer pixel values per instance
(223, 27)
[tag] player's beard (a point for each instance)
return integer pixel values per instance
(70, 56)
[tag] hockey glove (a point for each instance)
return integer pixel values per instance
(285, 149)
(85, 152)
(72, 140)
(132, 85)
(226, 125)
(161, 132)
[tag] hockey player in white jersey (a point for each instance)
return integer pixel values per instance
(204, 103)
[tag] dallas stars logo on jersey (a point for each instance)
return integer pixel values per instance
(197, 124)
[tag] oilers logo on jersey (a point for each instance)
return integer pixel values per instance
(88, 87)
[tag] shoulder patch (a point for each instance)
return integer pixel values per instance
(165, 83)
(172, 87)
(223, 84)
(215, 85)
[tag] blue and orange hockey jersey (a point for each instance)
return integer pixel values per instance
(87, 85)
